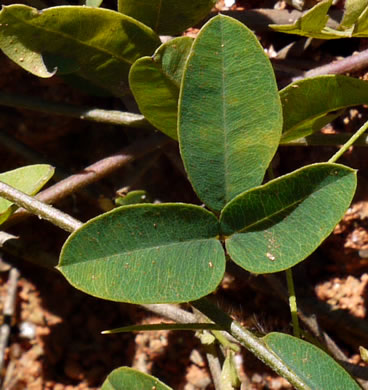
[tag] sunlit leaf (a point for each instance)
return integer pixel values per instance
(275, 226)
(313, 24)
(229, 112)
(161, 253)
(94, 43)
(361, 25)
(29, 179)
(353, 9)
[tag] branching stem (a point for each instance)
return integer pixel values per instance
(42, 210)
(250, 341)
(246, 338)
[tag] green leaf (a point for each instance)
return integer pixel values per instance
(167, 17)
(315, 367)
(275, 226)
(29, 179)
(307, 104)
(310, 23)
(313, 24)
(361, 25)
(163, 326)
(95, 43)
(162, 253)
(229, 112)
(229, 377)
(125, 378)
(353, 9)
(155, 83)
(133, 197)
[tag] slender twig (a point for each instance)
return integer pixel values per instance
(292, 302)
(214, 365)
(250, 341)
(93, 173)
(112, 117)
(212, 354)
(102, 168)
(42, 210)
(352, 63)
(172, 312)
(34, 157)
(349, 143)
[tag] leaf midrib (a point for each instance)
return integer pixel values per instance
(160, 246)
(226, 162)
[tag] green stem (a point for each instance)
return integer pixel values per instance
(250, 341)
(225, 342)
(112, 117)
(42, 210)
(292, 302)
(349, 143)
